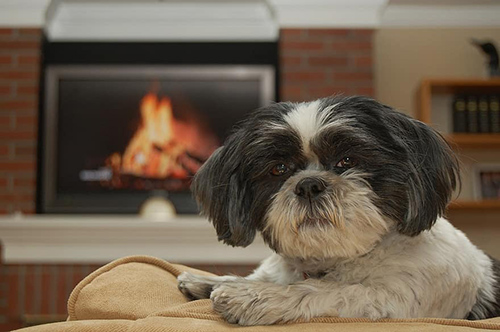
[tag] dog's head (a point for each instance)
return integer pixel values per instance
(327, 178)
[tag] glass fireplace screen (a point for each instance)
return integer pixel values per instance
(111, 131)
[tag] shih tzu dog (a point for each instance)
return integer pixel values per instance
(349, 194)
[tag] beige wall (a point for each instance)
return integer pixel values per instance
(403, 57)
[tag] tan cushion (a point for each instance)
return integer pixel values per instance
(139, 293)
(130, 288)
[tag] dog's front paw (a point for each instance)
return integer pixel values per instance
(193, 286)
(245, 303)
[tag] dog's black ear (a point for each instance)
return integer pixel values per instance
(221, 191)
(433, 176)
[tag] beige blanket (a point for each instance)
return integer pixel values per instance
(139, 293)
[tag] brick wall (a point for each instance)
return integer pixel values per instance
(19, 66)
(314, 63)
(321, 62)
(33, 289)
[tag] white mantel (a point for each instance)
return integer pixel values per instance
(295, 13)
(171, 20)
(100, 239)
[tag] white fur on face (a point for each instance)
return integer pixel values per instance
(307, 122)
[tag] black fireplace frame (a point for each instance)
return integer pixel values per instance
(141, 53)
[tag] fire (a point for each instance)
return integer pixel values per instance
(162, 147)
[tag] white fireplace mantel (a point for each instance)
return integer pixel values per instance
(289, 14)
(100, 239)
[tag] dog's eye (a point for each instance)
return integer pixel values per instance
(279, 169)
(347, 162)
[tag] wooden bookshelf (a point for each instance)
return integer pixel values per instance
(430, 87)
(433, 99)
(480, 141)
(484, 205)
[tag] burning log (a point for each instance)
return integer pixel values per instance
(159, 154)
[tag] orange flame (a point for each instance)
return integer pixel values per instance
(160, 143)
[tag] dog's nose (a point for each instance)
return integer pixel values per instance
(310, 188)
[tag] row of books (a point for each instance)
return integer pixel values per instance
(476, 114)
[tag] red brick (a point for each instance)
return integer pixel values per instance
(291, 60)
(13, 290)
(17, 166)
(17, 104)
(325, 91)
(304, 76)
(6, 32)
(362, 32)
(26, 120)
(5, 121)
(304, 46)
(61, 290)
(16, 197)
(5, 60)
(291, 34)
(288, 91)
(289, 96)
(27, 89)
(4, 150)
(18, 75)
(28, 59)
(47, 293)
(369, 91)
(5, 90)
(19, 45)
(18, 182)
(3, 286)
(294, 98)
(24, 151)
(3, 183)
(34, 32)
(363, 61)
(353, 76)
(327, 32)
(308, 78)
(29, 289)
(328, 61)
(15, 134)
(78, 275)
(351, 46)
(26, 207)
(12, 325)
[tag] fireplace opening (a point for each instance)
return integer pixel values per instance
(115, 135)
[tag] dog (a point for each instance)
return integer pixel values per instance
(350, 195)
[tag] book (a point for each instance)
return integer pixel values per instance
(472, 115)
(459, 116)
(483, 114)
(494, 110)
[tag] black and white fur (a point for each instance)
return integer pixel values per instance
(349, 193)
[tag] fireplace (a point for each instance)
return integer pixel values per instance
(114, 134)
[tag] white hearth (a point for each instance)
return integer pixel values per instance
(100, 239)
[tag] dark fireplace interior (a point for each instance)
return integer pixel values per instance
(118, 130)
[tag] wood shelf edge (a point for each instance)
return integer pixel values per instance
(461, 82)
(475, 140)
(477, 206)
